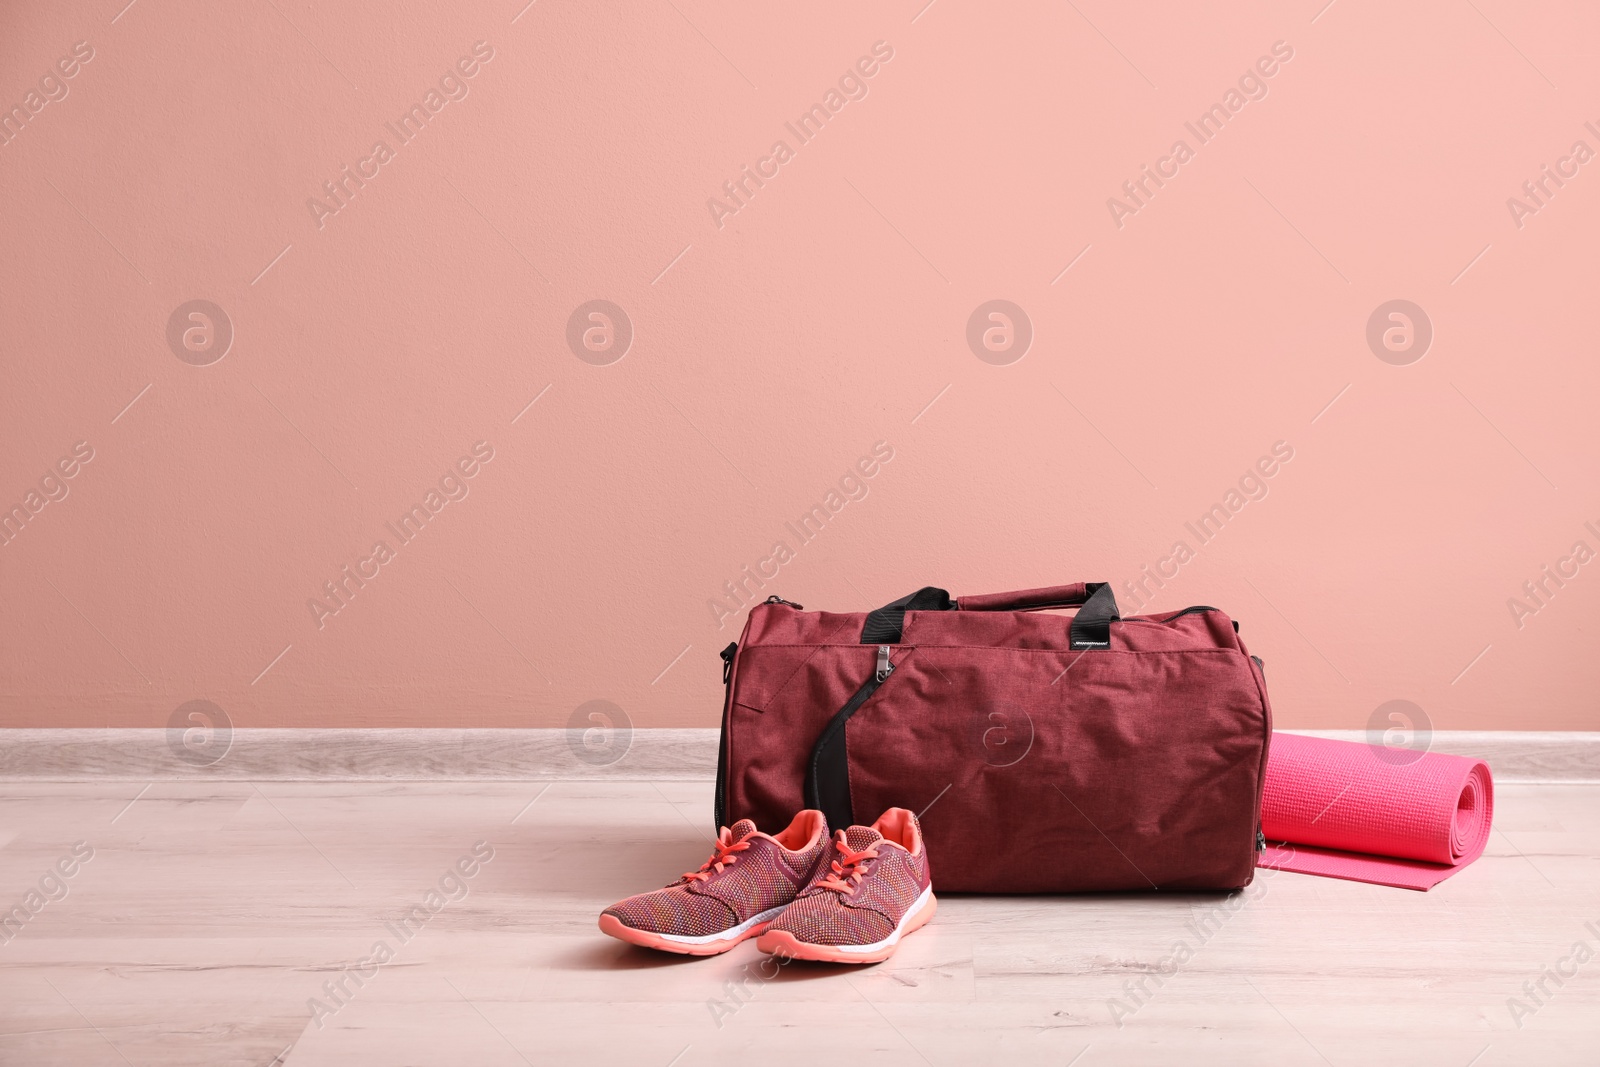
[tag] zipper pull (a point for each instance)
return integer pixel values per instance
(727, 660)
(780, 600)
(1261, 841)
(885, 668)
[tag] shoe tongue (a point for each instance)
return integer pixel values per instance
(741, 830)
(861, 838)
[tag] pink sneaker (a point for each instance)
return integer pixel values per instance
(745, 884)
(873, 888)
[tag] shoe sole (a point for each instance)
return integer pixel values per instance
(783, 943)
(712, 945)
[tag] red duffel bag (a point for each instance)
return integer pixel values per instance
(1044, 754)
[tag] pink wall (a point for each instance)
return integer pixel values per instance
(1175, 341)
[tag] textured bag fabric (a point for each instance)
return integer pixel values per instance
(1133, 761)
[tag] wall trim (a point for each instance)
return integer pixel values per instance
(359, 755)
(356, 755)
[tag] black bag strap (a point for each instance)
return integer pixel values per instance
(720, 801)
(827, 779)
(885, 625)
(827, 784)
(1091, 626)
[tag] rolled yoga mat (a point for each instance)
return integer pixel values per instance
(1341, 809)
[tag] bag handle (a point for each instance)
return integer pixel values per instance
(1050, 596)
(1090, 629)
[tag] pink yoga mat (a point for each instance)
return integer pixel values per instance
(1371, 814)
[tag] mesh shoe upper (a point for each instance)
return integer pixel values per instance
(760, 876)
(870, 906)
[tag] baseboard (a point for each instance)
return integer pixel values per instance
(335, 755)
(515, 755)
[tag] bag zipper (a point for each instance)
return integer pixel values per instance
(1178, 615)
(780, 600)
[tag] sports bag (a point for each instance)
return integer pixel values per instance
(1043, 753)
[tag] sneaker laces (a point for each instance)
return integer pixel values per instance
(721, 859)
(847, 869)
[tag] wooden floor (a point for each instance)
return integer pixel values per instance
(210, 915)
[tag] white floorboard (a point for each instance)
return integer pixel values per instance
(212, 912)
